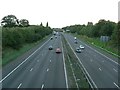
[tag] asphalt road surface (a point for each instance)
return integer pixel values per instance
(42, 68)
(102, 68)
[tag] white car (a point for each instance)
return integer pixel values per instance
(82, 47)
(75, 38)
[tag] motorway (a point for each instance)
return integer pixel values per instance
(44, 68)
(41, 69)
(102, 69)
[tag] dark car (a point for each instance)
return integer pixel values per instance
(50, 47)
(75, 41)
(55, 36)
(51, 38)
(58, 50)
(78, 50)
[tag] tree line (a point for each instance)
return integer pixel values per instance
(17, 33)
(101, 28)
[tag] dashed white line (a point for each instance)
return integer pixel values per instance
(116, 85)
(100, 69)
(22, 63)
(31, 69)
(101, 53)
(47, 69)
(91, 60)
(42, 86)
(115, 70)
(19, 85)
(37, 60)
(50, 60)
(64, 66)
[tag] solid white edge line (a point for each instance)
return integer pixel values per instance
(115, 70)
(99, 53)
(19, 85)
(42, 86)
(64, 66)
(83, 66)
(107, 50)
(73, 72)
(22, 63)
(116, 85)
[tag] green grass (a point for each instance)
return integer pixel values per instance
(82, 82)
(12, 54)
(0, 45)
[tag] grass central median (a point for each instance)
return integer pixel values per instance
(76, 78)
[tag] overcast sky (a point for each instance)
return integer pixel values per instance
(60, 13)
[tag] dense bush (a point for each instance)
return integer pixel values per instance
(15, 37)
(101, 28)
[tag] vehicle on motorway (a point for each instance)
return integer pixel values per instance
(50, 47)
(55, 36)
(51, 38)
(78, 50)
(75, 41)
(82, 47)
(58, 50)
(75, 38)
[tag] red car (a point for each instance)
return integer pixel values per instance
(58, 50)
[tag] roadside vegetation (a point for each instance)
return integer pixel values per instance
(0, 46)
(76, 77)
(91, 34)
(18, 36)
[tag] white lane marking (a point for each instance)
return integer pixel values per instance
(91, 60)
(50, 60)
(100, 53)
(47, 69)
(64, 66)
(100, 69)
(116, 85)
(31, 69)
(84, 68)
(115, 70)
(42, 86)
(37, 60)
(78, 79)
(103, 61)
(19, 85)
(22, 63)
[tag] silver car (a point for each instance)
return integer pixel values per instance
(78, 50)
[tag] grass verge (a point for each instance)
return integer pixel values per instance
(76, 78)
(11, 54)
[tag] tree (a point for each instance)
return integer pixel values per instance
(41, 24)
(116, 35)
(47, 24)
(9, 21)
(24, 22)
